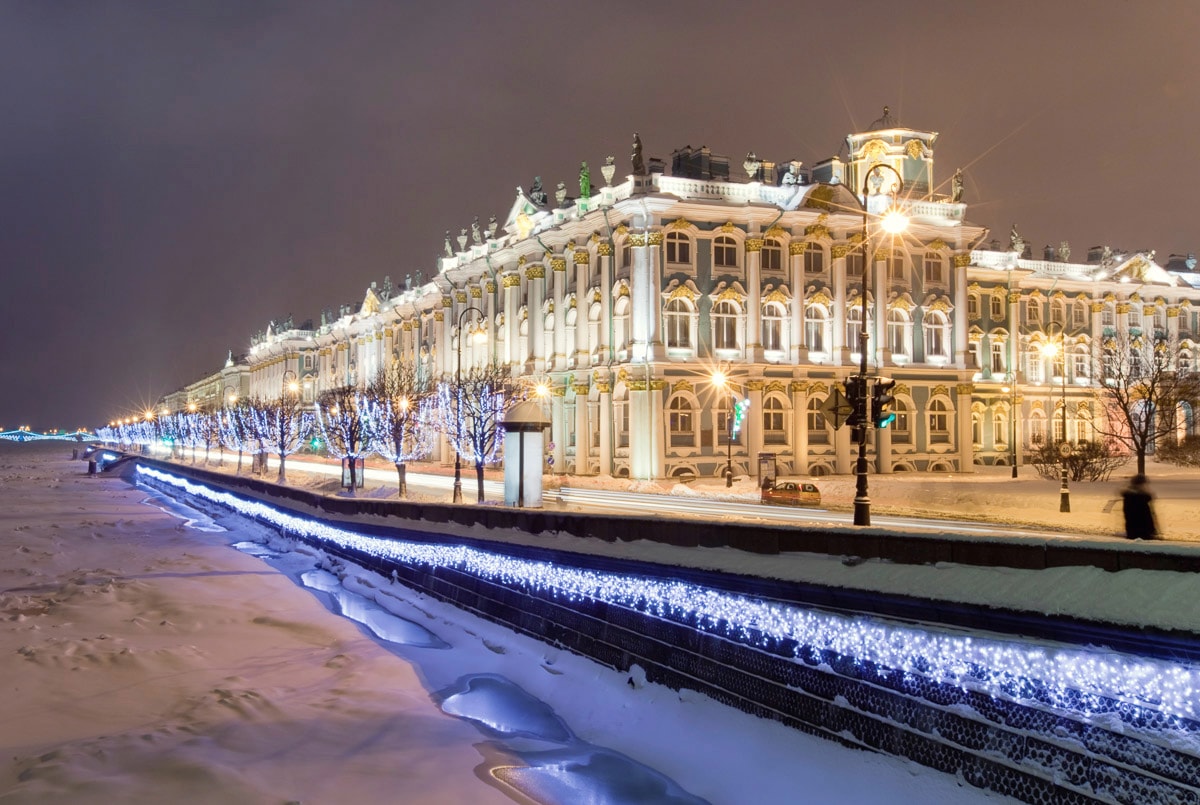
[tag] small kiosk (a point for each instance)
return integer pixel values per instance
(523, 446)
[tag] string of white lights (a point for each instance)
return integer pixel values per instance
(1082, 681)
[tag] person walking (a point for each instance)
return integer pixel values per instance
(1139, 517)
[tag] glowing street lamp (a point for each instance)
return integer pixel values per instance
(892, 222)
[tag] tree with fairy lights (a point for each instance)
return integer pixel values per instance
(471, 408)
(208, 431)
(399, 404)
(282, 424)
(344, 427)
(237, 431)
(187, 434)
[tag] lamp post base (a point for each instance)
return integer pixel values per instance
(1064, 495)
(457, 496)
(1014, 470)
(862, 511)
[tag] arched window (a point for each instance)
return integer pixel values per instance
(999, 355)
(774, 420)
(626, 255)
(854, 329)
(1183, 364)
(895, 266)
(937, 336)
(1058, 312)
(681, 422)
(1033, 312)
(939, 422)
(774, 316)
(725, 315)
(1037, 428)
(1108, 315)
(818, 428)
(620, 324)
(725, 251)
(1081, 359)
(997, 307)
(572, 338)
(772, 255)
(677, 321)
(816, 326)
(1160, 317)
(1079, 312)
(999, 429)
(935, 271)
(973, 306)
(977, 429)
(899, 333)
(678, 248)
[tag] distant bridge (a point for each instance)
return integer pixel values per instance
(22, 435)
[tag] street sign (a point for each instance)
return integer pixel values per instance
(836, 407)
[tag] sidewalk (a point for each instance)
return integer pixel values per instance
(988, 495)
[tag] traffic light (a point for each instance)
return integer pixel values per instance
(882, 397)
(856, 392)
(739, 414)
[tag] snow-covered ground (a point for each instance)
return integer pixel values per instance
(145, 660)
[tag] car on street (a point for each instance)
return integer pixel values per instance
(792, 493)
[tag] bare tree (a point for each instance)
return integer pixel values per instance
(471, 408)
(1141, 390)
(343, 427)
(282, 424)
(399, 405)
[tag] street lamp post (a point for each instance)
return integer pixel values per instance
(1064, 448)
(894, 223)
(457, 496)
(720, 379)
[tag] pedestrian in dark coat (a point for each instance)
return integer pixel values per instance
(1139, 517)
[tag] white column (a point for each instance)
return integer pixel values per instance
(605, 416)
(799, 393)
(796, 322)
(536, 275)
(558, 267)
(966, 446)
(960, 312)
(754, 351)
(583, 430)
(605, 252)
(583, 275)
(511, 283)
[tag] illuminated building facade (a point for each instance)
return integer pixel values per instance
(625, 299)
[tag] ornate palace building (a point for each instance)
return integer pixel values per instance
(626, 300)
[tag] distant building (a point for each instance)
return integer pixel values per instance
(625, 303)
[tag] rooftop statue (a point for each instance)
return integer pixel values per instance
(639, 164)
(537, 196)
(1016, 243)
(585, 181)
(476, 236)
(449, 248)
(956, 186)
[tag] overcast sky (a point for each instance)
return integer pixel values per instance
(176, 175)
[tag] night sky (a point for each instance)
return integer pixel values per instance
(177, 175)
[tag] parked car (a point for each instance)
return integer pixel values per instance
(792, 493)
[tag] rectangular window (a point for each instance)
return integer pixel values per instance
(973, 350)
(901, 433)
(895, 267)
(1033, 312)
(772, 257)
(998, 364)
(972, 307)
(817, 434)
(854, 264)
(1079, 315)
(933, 268)
(814, 260)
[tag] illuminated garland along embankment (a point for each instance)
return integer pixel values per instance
(1072, 680)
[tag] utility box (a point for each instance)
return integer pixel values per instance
(524, 440)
